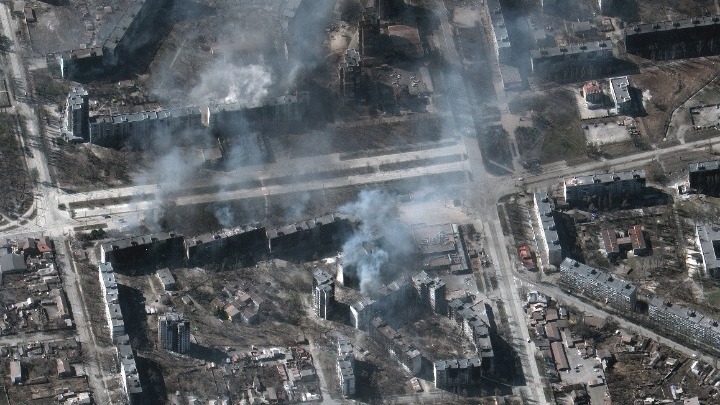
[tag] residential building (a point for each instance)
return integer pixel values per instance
(431, 292)
(676, 39)
(572, 62)
(558, 352)
(474, 322)
(599, 285)
(244, 241)
(398, 346)
(684, 321)
(345, 367)
(324, 234)
(549, 239)
(579, 189)
(157, 248)
(362, 312)
(708, 240)
(174, 332)
(166, 279)
(350, 71)
(76, 118)
(128, 371)
(457, 373)
(501, 41)
(109, 289)
(705, 177)
(323, 294)
(620, 92)
(369, 34)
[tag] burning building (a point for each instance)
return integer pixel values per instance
(240, 242)
(305, 238)
(442, 247)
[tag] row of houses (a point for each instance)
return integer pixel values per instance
(116, 327)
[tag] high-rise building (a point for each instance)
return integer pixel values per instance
(323, 293)
(76, 124)
(345, 367)
(431, 292)
(174, 332)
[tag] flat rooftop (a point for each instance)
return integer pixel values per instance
(674, 25)
(703, 166)
(604, 178)
(585, 47)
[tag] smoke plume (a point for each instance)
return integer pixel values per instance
(381, 235)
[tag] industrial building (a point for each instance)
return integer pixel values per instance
(323, 293)
(614, 246)
(550, 241)
(139, 250)
(431, 292)
(346, 367)
(350, 71)
(245, 241)
(686, 322)
(620, 92)
(579, 189)
(76, 125)
(442, 247)
(572, 62)
(174, 332)
(16, 375)
(678, 39)
(705, 177)
(599, 285)
(457, 373)
(708, 240)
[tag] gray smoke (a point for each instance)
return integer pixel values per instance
(381, 235)
(229, 82)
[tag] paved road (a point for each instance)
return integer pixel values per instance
(483, 200)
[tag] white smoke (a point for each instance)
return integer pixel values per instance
(380, 235)
(225, 82)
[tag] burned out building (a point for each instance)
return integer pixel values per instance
(174, 332)
(76, 118)
(128, 36)
(678, 39)
(389, 9)
(442, 247)
(323, 294)
(242, 242)
(361, 312)
(370, 36)
(431, 292)
(474, 321)
(705, 177)
(143, 250)
(350, 71)
(305, 238)
(457, 373)
(398, 346)
(573, 62)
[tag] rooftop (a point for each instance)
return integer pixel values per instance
(604, 178)
(572, 49)
(702, 166)
(638, 29)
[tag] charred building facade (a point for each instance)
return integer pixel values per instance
(687, 38)
(431, 292)
(318, 235)
(350, 71)
(705, 177)
(174, 332)
(142, 250)
(242, 242)
(457, 373)
(127, 37)
(442, 247)
(573, 62)
(398, 346)
(474, 321)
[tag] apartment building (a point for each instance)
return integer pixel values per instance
(345, 367)
(708, 240)
(549, 239)
(431, 292)
(705, 177)
(457, 373)
(323, 293)
(578, 189)
(620, 92)
(174, 332)
(686, 322)
(599, 285)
